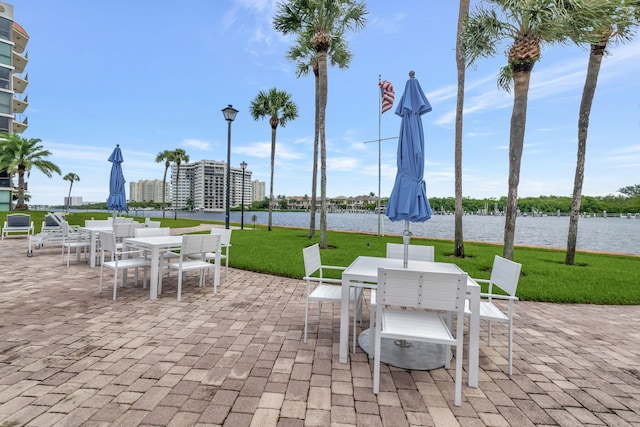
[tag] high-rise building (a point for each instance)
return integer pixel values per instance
(257, 191)
(204, 184)
(149, 190)
(13, 102)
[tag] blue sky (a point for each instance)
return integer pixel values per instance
(154, 75)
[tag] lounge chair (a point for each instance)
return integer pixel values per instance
(51, 232)
(17, 223)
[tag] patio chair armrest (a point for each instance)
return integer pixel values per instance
(134, 251)
(323, 280)
(498, 296)
(481, 280)
(333, 267)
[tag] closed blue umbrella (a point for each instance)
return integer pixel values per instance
(117, 200)
(408, 201)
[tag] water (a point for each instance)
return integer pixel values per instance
(594, 234)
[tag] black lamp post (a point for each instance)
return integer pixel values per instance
(243, 165)
(229, 116)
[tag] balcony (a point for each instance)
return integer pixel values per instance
(19, 105)
(19, 37)
(19, 62)
(19, 127)
(20, 83)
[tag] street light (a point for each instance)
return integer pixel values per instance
(243, 165)
(229, 116)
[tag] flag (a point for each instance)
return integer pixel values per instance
(387, 95)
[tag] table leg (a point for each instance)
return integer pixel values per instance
(344, 322)
(474, 335)
(216, 272)
(154, 273)
(92, 250)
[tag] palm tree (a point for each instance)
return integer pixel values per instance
(527, 25)
(179, 156)
(19, 155)
(619, 17)
(278, 106)
(71, 177)
(167, 157)
(324, 23)
(306, 59)
(458, 246)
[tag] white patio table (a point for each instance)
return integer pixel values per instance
(155, 245)
(94, 230)
(363, 273)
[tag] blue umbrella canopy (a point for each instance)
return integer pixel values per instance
(117, 200)
(408, 200)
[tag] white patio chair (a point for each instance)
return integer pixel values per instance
(504, 275)
(396, 251)
(193, 258)
(120, 259)
(326, 289)
(98, 222)
(434, 298)
(416, 252)
(73, 240)
(123, 230)
(225, 246)
(17, 223)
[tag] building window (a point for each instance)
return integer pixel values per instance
(4, 124)
(5, 78)
(5, 28)
(5, 54)
(5, 102)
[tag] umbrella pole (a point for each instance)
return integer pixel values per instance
(406, 238)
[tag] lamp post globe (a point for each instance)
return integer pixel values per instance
(229, 115)
(243, 165)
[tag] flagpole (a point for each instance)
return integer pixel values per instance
(380, 229)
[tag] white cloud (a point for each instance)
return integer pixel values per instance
(197, 144)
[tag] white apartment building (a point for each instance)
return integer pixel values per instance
(257, 191)
(204, 183)
(149, 190)
(13, 102)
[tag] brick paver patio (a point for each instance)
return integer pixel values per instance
(70, 356)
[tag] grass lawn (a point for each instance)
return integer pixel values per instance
(595, 279)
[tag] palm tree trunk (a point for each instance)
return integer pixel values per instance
(69, 196)
(314, 180)
(175, 208)
(521, 80)
(20, 204)
(322, 104)
(273, 159)
(593, 69)
(164, 190)
(463, 12)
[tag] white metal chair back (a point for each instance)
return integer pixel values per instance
(426, 290)
(198, 244)
(312, 261)
(64, 226)
(505, 274)
(123, 230)
(225, 235)
(152, 224)
(97, 223)
(416, 252)
(108, 243)
(152, 232)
